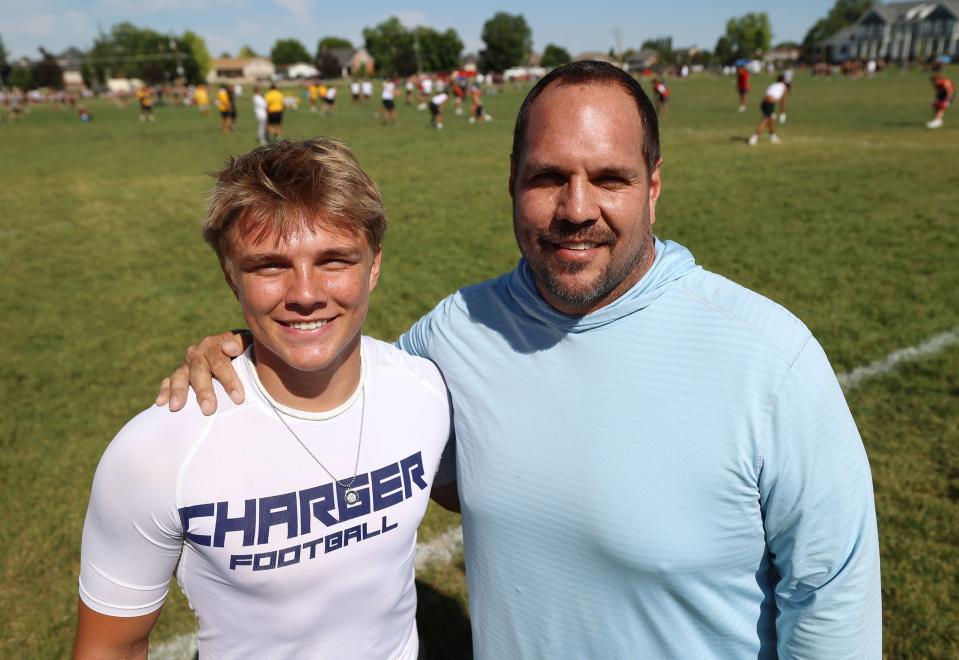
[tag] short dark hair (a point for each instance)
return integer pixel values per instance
(589, 72)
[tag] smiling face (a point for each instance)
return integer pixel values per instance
(583, 201)
(304, 298)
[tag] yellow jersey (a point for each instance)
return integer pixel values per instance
(223, 101)
(201, 96)
(274, 100)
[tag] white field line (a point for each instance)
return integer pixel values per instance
(448, 544)
(859, 375)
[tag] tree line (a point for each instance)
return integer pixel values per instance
(130, 51)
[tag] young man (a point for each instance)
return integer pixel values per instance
(367, 87)
(742, 85)
(436, 109)
(224, 103)
(388, 99)
(355, 91)
(788, 81)
(275, 104)
(201, 96)
(653, 461)
(290, 519)
(329, 100)
(145, 99)
(774, 93)
(476, 105)
(662, 98)
(945, 94)
(261, 114)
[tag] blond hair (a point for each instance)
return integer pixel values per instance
(286, 186)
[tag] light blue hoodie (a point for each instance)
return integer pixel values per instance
(675, 475)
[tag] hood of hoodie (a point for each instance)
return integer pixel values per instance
(672, 262)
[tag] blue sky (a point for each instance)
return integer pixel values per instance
(228, 24)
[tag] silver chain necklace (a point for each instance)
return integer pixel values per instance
(350, 496)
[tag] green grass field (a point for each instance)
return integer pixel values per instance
(851, 223)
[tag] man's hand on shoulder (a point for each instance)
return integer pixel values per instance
(211, 358)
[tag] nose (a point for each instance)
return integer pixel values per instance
(577, 203)
(306, 289)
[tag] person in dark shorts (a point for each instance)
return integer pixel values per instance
(661, 93)
(476, 105)
(274, 113)
(436, 109)
(945, 95)
(774, 94)
(388, 99)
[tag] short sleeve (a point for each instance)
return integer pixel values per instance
(132, 536)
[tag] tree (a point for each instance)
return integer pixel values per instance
(439, 51)
(554, 56)
(127, 50)
(247, 51)
(392, 46)
(508, 40)
(46, 72)
(329, 43)
(842, 14)
(3, 52)
(201, 56)
(663, 47)
(289, 51)
(4, 67)
(748, 35)
(21, 77)
(723, 51)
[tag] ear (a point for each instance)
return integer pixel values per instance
(655, 187)
(375, 268)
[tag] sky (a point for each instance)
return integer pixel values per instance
(228, 24)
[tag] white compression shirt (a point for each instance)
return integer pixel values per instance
(776, 91)
(273, 561)
(388, 91)
(439, 99)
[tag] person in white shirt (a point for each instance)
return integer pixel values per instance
(387, 98)
(774, 94)
(259, 113)
(355, 91)
(436, 109)
(367, 87)
(290, 519)
(329, 101)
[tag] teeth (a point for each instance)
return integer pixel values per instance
(312, 325)
(579, 246)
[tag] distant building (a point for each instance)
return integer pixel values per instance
(353, 61)
(647, 58)
(240, 70)
(781, 56)
(899, 31)
(597, 56)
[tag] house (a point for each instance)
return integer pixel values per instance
(647, 58)
(353, 61)
(240, 70)
(900, 31)
(782, 56)
(838, 48)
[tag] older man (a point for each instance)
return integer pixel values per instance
(652, 460)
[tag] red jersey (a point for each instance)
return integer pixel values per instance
(742, 78)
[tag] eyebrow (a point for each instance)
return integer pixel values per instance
(331, 253)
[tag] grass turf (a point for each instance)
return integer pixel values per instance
(850, 223)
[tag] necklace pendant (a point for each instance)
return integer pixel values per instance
(351, 497)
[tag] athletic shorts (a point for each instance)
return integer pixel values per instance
(274, 118)
(940, 105)
(328, 101)
(478, 112)
(356, 97)
(389, 104)
(789, 86)
(146, 108)
(434, 109)
(743, 90)
(662, 99)
(225, 114)
(768, 107)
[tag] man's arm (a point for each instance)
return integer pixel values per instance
(446, 496)
(102, 637)
(820, 519)
(203, 362)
